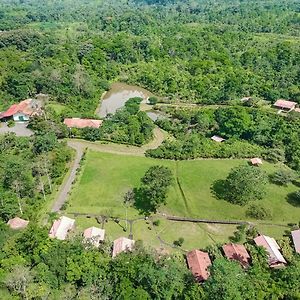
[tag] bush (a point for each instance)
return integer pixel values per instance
(283, 177)
(11, 123)
(258, 212)
(179, 242)
(156, 222)
(152, 100)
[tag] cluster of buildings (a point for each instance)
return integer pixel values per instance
(199, 261)
(61, 228)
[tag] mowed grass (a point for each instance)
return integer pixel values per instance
(105, 178)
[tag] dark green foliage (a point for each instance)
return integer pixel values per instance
(258, 212)
(91, 134)
(153, 190)
(152, 100)
(128, 125)
(243, 184)
(283, 177)
(179, 242)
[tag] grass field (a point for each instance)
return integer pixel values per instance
(106, 177)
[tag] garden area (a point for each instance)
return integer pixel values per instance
(105, 178)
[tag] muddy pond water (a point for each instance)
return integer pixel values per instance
(118, 94)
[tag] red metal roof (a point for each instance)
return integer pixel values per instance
(22, 107)
(122, 244)
(237, 252)
(296, 239)
(285, 104)
(198, 263)
(17, 223)
(275, 257)
(82, 123)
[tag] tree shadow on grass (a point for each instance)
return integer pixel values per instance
(142, 203)
(219, 189)
(293, 199)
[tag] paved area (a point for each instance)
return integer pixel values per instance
(20, 129)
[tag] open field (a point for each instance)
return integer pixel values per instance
(106, 177)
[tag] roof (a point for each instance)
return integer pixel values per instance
(25, 107)
(82, 123)
(237, 252)
(17, 223)
(217, 138)
(285, 104)
(256, 161)
(198, 263)
(94, 235)
(122, 244)
(244, 99)
(275, 257)
(296, 239)
(61, 227)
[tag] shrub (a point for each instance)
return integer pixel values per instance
(152, 100)
(258, 212)
(179, 242)
(283, 177)
(11, 123)
(156, 222)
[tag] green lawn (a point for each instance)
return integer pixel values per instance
(105, 178)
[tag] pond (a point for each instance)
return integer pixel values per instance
(118, 94)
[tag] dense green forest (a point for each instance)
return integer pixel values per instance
(195, 51)
(208, 52)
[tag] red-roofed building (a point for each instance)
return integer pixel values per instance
(198, 263)
(284, 104)
(122, 244)
(61, 228)
(17, 223)
(94, 235)
(22, 111)
(276, 260)
(296, 239)
(238, 253)
(82, 123)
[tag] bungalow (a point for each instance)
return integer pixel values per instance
(122, 244)
(198, 263)
(61, 228)
(217, 139)
(82, 123)
(238, 253)
(256, 161)
(22, 111)
(275, 260)
(285, 105)
(17, 223)
(94, 235)
(296, 239)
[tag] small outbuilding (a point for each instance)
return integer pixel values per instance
(246, 99)
(217, 139)
(296, 239)
(275, 260)
(61, 228)
(237, 252)
(94, 235)
(17, 223)
(122, 244)
(199, 262)
(285, 104)
(255, 161)
(82, 123)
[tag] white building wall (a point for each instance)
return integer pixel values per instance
(19, 117)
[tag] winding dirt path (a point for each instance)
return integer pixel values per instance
(80, 145)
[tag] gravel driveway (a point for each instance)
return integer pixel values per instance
(20, 129)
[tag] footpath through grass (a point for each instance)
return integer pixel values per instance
(106, 177)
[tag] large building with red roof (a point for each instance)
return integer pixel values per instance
(284, 104)
(82, 123)
(22, 111)
(199, 262)
(237, 252)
